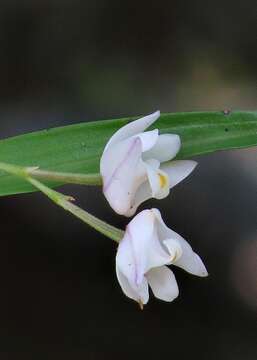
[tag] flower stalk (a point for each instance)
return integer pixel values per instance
(64, 201)
(64, 177)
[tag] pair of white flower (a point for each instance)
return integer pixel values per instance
(135, 166)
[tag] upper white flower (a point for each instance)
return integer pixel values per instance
(135, 165)
(147, 246)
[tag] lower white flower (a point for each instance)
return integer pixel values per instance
(147, 247)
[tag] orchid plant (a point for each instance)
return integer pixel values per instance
(133, 161)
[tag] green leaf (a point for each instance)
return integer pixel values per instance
(77, 148)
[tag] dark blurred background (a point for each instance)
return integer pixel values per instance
(64, 62)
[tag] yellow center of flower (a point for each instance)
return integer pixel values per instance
(163, 180)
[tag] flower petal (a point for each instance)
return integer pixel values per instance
(163, 283)
(190, 261)
(122, 172)
(187, 259)
(141, 294)
(131, 255)
(125, 286)
(133, 128)
(148, 139)
(178, 170)
(147, 249)
(126, 261)
(164, 232)
(143, 193)
(165, 149)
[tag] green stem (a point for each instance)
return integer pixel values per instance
(14, 169)
(64, 201)
(71, 178)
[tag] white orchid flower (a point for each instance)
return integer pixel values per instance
(147, 247)
(135, 165)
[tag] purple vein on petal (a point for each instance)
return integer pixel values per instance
(131, 148)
